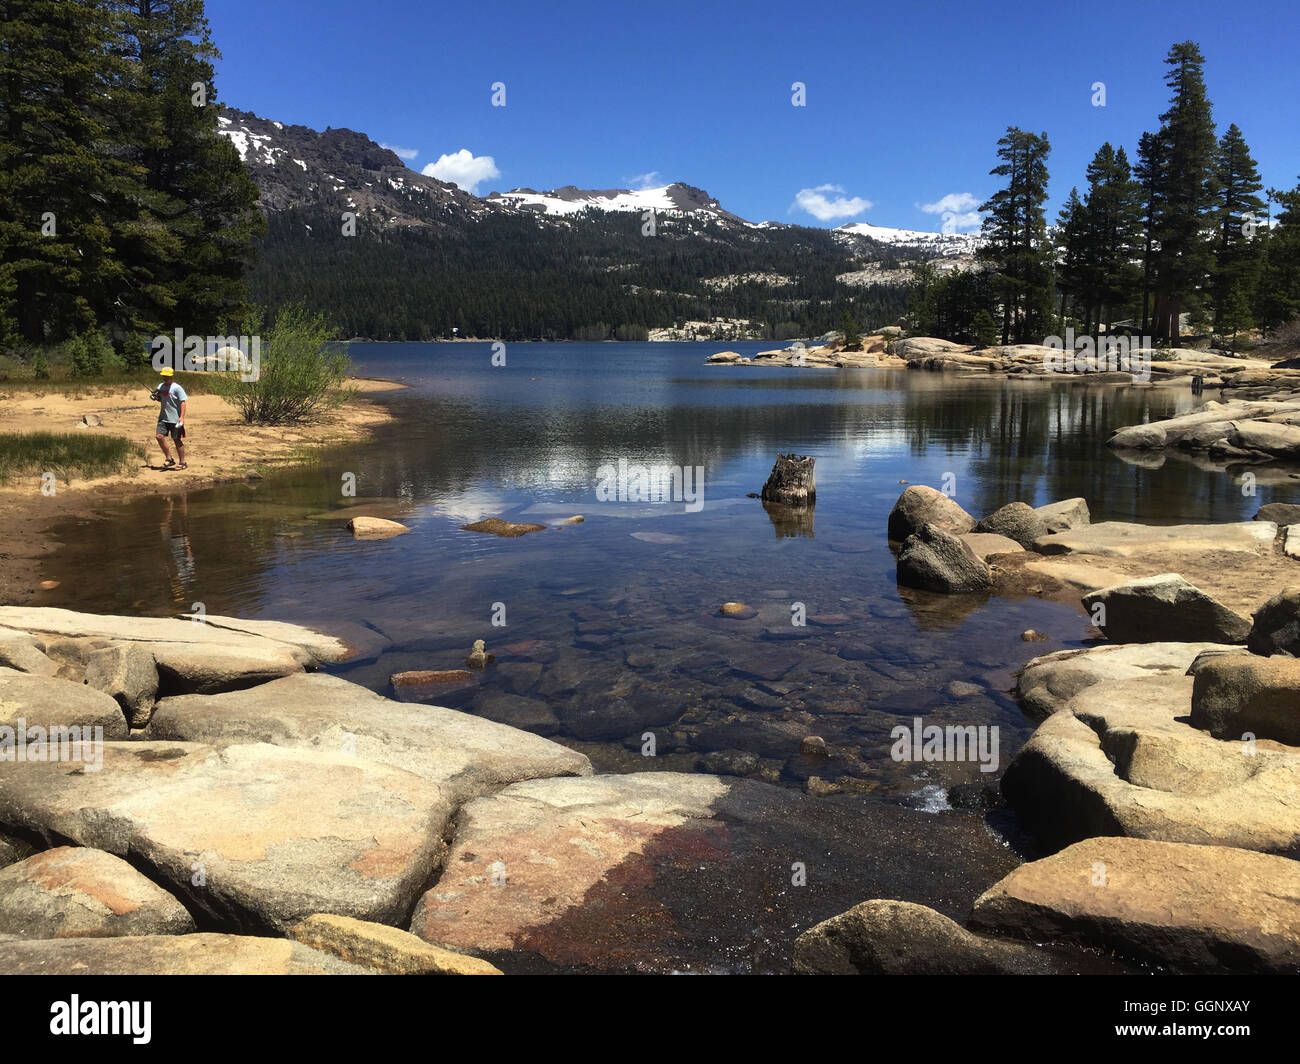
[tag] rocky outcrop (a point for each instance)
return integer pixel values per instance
(1186, 908)
(935, 560)
(1276, 627)
(129, 673)
(1120, 759)
(1238, 425)
(1047, 683)
(664, 871)
(463, 754)
(1065, 516)
(76, 892)
(1118, 539)
(900, 938)
(1016, 520)
(205, 954)
(47, 702)
(253, 836)
(919, 506)
(1163, 608)
(385, 949)
(1239, 695)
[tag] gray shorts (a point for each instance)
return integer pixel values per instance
(170, 428)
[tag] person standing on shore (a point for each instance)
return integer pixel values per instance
(171, 417)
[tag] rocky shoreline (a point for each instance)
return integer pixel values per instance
(889, 349)
(1164, 776)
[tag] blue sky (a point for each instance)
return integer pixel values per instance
(904, 100)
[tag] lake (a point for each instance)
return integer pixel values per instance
(611, 638)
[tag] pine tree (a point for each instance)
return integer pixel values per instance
(1071, 246)
(1147, 175)
(54, 245)
(185, 227)
(1015, 231)
(1184, 193)
(1111, 232)
(1277, 299)
(1238, 212)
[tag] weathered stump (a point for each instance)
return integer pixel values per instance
(791, 482)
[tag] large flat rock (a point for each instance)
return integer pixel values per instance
(206, 954)
(77, 892)
(464, 754)
(1187, 908)
(1120, 759)
(254, 837)
(304, 642)
(1048, 682)
(1119, 539)
(662, 871)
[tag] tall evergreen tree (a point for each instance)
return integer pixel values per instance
(54, 244)
(186, 226)
(1015, 231)
(1184, 192)
(1071, 242)
(1278, 295)
(1238, 213)
(1146, 173)
(1111, 234)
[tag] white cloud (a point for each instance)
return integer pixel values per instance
(653, 179)
(822, 207)
(463, 169)
(957, 210)
(955, 202)
(401, 153)
(960, 223)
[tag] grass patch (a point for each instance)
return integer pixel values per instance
(62, 382)
(67, 455)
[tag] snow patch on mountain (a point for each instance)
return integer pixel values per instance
(916, 239)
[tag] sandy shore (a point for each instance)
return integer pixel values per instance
(219, 448)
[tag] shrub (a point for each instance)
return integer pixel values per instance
(301, 373)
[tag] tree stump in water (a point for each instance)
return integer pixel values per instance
(791, 481)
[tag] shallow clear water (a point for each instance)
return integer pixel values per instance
(610, 635)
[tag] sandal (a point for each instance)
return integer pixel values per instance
(183, 465)
(169, 463)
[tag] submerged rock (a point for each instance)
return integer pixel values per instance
(494, 526)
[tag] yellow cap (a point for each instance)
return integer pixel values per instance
(166, 371)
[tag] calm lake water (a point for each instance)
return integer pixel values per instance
(611, 627)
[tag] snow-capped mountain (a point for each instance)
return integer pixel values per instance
(915, 240)
(676, 198)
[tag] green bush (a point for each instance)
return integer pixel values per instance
(301, 374)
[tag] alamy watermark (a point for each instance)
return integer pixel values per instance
(199, 354)
(623, 481)
(954, 742)
(1107, 354)
(56, 743)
